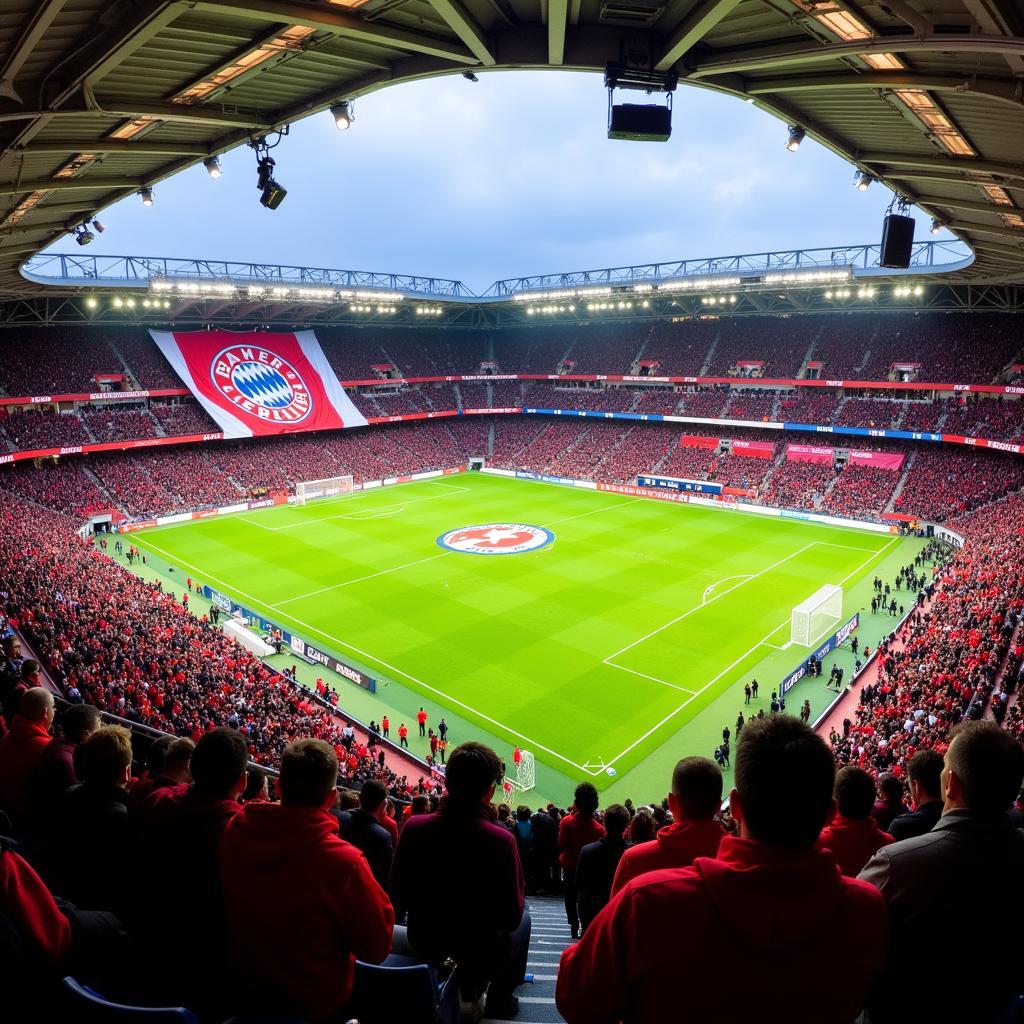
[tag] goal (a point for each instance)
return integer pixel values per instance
(812, 618)
(524, 772)
(332, 487)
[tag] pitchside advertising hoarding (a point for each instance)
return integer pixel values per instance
(671, 483)
(298, 646)
(841, 634)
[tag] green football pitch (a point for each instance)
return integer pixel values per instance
(591, 651)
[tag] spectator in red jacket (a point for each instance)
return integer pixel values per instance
(674, 945)
(853, 837)
(180, 830)
(695, 799)
(55, 773)
(21, 750)
(302, 904)
(577, 829)
(35, 938)
(169, 764)
(457, 875)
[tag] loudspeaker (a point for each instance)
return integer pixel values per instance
(639, 122)
(897, 241)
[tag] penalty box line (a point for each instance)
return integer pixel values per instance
(746, 654)
(372, 659)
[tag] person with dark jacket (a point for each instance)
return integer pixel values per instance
(712, 942)
(576, 830)
(302, 905)
(362, 828)
(695, 799)
(890, 801)
(55, 773)
(458, 878)
(545, 852)
(852, 836)
(169, 764)
(179, 833)
(597, 864)
(92, 824)
(924, 772)
(935, 888)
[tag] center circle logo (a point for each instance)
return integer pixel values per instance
(261, 383)
(496, 539)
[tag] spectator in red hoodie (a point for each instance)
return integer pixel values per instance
(577, 829)
(853, 837)
(21, 750)
(457, 874)
(302, 904)
(695, 799)
(890, 801)
(170, 765)
(180, 830)
(672, 945)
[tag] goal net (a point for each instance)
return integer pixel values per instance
(813, 617)
(523, 775)
(332, 487)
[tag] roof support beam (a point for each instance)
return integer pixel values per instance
(140, 148)
(121, 107)
(558, 21)
(971, 205)
(466, 27)
(83, 184)
(766, 57)
(35, 28)
(944, 163)
(1002, 90)
(692, 29)
(340, 23)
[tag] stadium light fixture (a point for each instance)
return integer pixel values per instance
(343, 114)
(863, 181)
(213, 168)
(90, 302)
(937, 226)
(83, 236)
(469, 76)
(147, 195)
(797, 134)
(99, 227)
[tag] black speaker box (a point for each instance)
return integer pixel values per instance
(897, 241)
(640, 122)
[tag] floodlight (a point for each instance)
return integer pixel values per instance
(797, 134)
(147, 195)
(863, 181)
(100, 228)
(343, 115)
(213, 168)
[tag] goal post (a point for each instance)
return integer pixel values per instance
(331, 487)
(812, 618)
(523, 776)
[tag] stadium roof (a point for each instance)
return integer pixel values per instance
(99, 98)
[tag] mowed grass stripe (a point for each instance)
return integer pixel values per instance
(521, 640)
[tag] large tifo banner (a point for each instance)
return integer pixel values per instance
(822, 453)
(254, 384)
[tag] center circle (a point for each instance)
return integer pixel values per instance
(496, 539)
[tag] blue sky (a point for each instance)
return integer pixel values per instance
(513, 175)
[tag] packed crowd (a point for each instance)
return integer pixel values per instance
(27, 431)
(113, 424)
(111, 640)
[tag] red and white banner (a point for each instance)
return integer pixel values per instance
(754, 449)
(820, 453)
(256, 384)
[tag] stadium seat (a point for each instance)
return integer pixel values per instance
(88, 1007)
(403, 989)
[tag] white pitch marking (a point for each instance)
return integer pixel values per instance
(360, 579)
(711, 682)
(372, 508)
(260, 603)
(707, 590)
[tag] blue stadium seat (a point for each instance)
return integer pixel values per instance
(401, 989)
(88, 1007)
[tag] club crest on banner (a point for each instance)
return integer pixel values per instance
(496, 539)
(261, 383)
